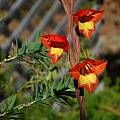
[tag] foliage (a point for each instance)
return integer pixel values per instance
(98, 106)
(44, 91)
(35, 51)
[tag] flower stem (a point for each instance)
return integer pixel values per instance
(81, 103)
(79, 92)
(76, 90)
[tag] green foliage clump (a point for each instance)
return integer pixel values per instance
(102, 106)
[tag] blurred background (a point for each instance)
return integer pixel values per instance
(21, 23)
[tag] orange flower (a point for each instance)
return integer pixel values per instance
(87, 73)
(56, 44)
(85, 21)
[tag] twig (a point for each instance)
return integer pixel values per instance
(8, 60)
(22, 106)
(26, 105)
(3, 114)
(19, 108)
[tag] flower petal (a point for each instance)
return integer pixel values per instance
(97, 15)
(56, 41)
(100, 68)
(75, 74)
(55, 58)
(98, 65)
(86, 19)
(45, 41)
(87, 34)
(55, 53)
(56, 45)
(88, 81)
(86, 26)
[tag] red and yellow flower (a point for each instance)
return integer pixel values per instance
(56, 44)
(86, 20)
(87, 73)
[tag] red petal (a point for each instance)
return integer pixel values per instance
(59, 41)
(100, 68)
(56, 41)
(98, 65)
(44, 41)
(81, 13)
(97, 15)
(77, 67)
(87, 34)
(57, 44)
(57, 38)
(55, 58)
(75, 71)
(75, 74)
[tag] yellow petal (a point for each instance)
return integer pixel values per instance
(85, 26)
(56, 51)
(87, 79)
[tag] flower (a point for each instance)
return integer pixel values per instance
(87, 73)
(56, 44)
(86, 20)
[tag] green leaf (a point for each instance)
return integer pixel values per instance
(48, 89)
(21, 51)
(33, 47)
(7, 104)
(37, 38)
(36, 89)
